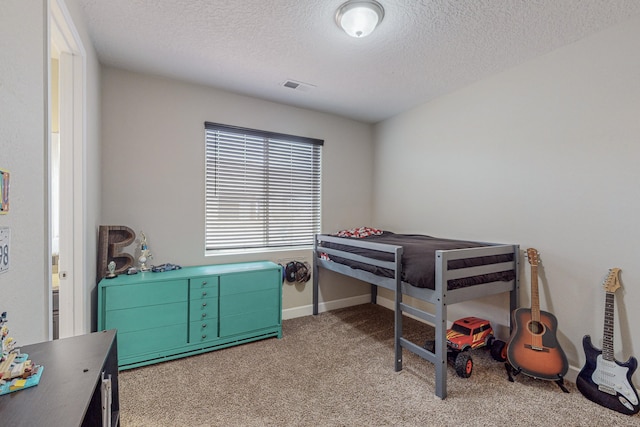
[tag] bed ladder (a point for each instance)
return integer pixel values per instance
(439, 357)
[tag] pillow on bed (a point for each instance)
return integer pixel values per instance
(359, 232)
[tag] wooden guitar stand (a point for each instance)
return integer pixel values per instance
(512, 372)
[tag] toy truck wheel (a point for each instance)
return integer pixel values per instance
(430, 345)
(489, 341)
(499, 351)
(464, 364)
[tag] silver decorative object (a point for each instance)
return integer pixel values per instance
(145, 253)
(111, 268)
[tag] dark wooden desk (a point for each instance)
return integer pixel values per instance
(69, 392)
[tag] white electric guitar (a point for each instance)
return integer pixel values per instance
(603, 379)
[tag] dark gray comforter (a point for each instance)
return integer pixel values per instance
(418, 259)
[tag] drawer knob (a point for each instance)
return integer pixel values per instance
(204, 294)
(204, 336)
(204, 283)
(204, 304)
(204, 314)
(204, 325)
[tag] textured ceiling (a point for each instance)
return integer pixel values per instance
(421, 50)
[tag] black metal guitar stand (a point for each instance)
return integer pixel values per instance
(512, 372)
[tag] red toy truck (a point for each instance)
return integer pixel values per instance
(469, 332)
(466, 334)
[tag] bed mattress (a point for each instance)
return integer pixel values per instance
(418, 259)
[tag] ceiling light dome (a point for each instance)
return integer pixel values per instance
(359, 18)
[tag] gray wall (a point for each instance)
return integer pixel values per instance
(153, 168)
(544, 155)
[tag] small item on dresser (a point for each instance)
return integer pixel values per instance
(111, 268)
(17, 371)
(112, 239)
(164, 267)
(132, 270)
(145, 253)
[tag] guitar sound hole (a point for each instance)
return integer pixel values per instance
(536, 328)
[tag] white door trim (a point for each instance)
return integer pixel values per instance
(74, 298)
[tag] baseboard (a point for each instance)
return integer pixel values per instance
(572, 374)
(307, 310)
(292, 313)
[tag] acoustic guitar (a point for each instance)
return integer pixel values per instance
(603, 379)
(533, 348)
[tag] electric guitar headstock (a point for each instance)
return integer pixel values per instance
(533, 257)
(612, 282)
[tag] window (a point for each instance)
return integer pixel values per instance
(262, 189)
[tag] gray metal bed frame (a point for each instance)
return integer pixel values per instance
(440, 297)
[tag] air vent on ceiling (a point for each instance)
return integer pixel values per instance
(299, 86)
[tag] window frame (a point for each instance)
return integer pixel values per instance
(273, 143)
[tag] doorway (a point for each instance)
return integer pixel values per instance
(66, 195)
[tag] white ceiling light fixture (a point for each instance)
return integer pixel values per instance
(359, 18)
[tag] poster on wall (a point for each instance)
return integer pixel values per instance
(4, 191)
(5, 238)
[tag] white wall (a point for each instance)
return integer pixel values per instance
(25, 288)
(544, 155)
(153, 167)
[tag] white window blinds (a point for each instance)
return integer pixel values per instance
(262, 189)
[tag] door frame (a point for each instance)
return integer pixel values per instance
(74, 306)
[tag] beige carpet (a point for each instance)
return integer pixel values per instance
(336, 369)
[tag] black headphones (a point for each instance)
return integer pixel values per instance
(296, 271)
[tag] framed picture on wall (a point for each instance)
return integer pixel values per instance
(5, 240)
(4, 191)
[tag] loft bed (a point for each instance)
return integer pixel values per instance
(438, 271)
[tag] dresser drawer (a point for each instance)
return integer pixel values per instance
(205, 287)
(203, 330)
(249, 282)
(206, 308)
(250, 302)
(151, 316)
(204, 293)
(119, 297)
(151, 340)
(240, 313)
(244, 322)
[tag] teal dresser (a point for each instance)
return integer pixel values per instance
(164, 316)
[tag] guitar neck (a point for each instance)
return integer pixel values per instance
(535, 295)
(607, 340)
